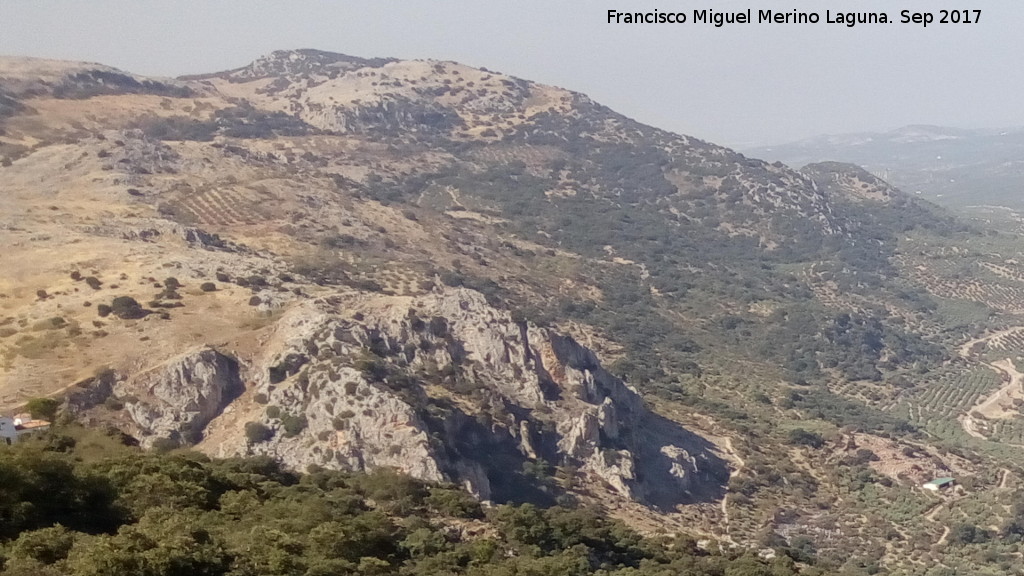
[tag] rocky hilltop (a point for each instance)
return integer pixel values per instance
(849, 181)
(441, 386)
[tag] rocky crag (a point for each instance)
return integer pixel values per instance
(443, 387)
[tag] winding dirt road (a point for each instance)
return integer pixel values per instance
(965, 349)
(727, 444)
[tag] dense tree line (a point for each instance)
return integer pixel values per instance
(77, 508)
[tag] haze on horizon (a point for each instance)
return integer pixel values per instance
(739, 86)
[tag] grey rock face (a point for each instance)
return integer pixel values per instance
(444, 387)
(178, 399)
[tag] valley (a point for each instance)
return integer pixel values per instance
(953, 167)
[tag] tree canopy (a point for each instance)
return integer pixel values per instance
(77, 508)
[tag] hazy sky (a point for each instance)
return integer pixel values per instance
(739, 85)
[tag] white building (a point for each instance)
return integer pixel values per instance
(13, 428)
(938, 484)
(8, 433)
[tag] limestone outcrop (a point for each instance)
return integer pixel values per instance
(443, 386)
(179, 398)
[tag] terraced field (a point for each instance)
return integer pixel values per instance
(1007, 341)
(946, 394)
(1004, 297)
(527, 154)
(987, 272)
(1009, 270)
(952, 314)
(222, 207)
(394, 279)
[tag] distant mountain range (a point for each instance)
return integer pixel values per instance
(953, 166)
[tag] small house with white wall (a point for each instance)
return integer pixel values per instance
(13, 428)
(8, 433)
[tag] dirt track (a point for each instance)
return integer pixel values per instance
(999, 404)
(965, 349)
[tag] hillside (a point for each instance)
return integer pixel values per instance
(356, 264)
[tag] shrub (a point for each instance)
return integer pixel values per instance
(415, 322)
(47, 546)
(256, 432)
(168, 294)
(41, 294)
(176, 128)
(968, 534)
(76, 275)
(453, 502)
(261, 398)
(93, 282)
(222, 277)
(171, 283)
(50, 323)
(273, 411)
(208, 287)
(103, 310)
(293, 425)
(255, 301)
(340, 421)
(439, 326)
(126, 308)
(162, 445)
(42, 408)
(801, 437)
(372, 369)
(366, 284)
